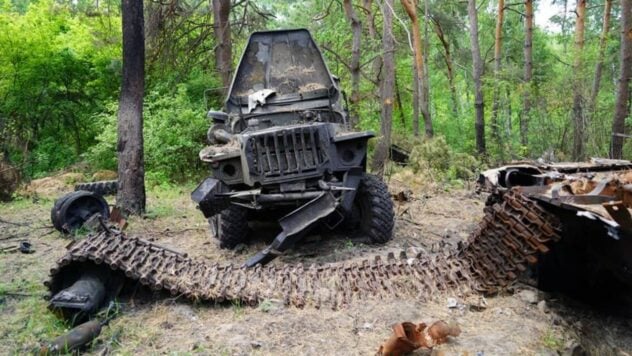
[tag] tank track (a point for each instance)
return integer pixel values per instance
(511, 235)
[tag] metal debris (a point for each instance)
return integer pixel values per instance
(23, 247)
(593, 201)
(73, 340)
(408, 337)
(511, 235)
(74, 210)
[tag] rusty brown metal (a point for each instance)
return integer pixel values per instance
(512, 234)
(593, 202)
(405, 339)
(408, 337)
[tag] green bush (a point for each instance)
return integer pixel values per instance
(174, 133)
(434, 156)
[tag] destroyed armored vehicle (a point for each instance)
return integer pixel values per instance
(283, 150)
(593, 202)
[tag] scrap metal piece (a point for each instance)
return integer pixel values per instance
(73, 340)
(73, 210)
(406, 338)
(620, 214)
(82, 298)
(294, 225)
(258, 98)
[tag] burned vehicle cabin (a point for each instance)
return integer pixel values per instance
(283, 147)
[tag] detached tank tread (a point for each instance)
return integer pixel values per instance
(377, 220)
(232, 228)
(104, 187)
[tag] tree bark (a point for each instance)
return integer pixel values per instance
(602, 49)
(373, 35)
(356, 30)
(477, 72)
(579, 134)
(224, 47)
(425, 82)
(387, 85)
(528, 71)
(131, 166)
(416, 101)
(497, 63)
(622, 108)
(411, 9)
(447, 57)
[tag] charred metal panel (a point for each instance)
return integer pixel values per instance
(286, 61)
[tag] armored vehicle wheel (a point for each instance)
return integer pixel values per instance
(230, 226)
(374, 210)
(104, 187)
(71, 211)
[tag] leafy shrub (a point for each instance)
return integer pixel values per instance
(174, 132)
(436, 159)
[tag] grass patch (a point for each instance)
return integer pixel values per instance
(551, 340)
(27, 323)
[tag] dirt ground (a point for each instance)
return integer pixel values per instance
(526, 323)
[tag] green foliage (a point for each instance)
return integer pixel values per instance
(174, 132)
(56, 68)
(436, 158)
(60, 68)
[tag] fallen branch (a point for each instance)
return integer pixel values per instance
(13, 223)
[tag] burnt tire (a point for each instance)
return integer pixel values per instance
(104, 187)
(374, 210)
(72, 210)
(230, 226)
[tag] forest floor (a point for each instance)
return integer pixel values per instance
(528, 322)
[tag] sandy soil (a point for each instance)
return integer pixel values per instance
(531, 322)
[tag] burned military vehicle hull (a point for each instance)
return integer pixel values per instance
(284, 149)
(593, 201)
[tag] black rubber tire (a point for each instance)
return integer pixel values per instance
(374, 209)
(104, 187)
(70, 211)
(54, 211)
(230, 226)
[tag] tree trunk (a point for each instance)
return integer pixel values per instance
(579, 134)
(377, 62)
(477, 72)
(386, 90)
(400, 107)
(131, 166)
(224, 47)
(602, 49)
(416, 103)
(356, 29)
(622, 108)
(447, 57)
(425, 82)
(411, 9)
(497, 62)
(528, 70)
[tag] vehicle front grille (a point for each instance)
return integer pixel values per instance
(287, 152)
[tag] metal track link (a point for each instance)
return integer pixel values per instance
(511, 235)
